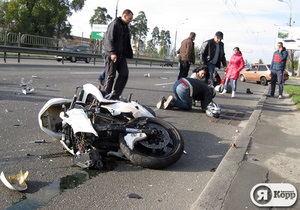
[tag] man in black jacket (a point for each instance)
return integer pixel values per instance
(117, 48)
(212, 54)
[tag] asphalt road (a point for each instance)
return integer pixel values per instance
(54, 183)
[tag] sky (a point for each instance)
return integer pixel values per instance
(250, 25)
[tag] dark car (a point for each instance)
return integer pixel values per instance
(76, 48)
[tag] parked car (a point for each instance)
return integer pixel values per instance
(75, 48)
(258, 73)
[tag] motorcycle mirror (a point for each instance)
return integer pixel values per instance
(129, 97)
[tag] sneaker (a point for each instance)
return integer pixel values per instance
(224, 91)
(233, 94)
(193, 102)
(161, 101)
(280, 96)
(168, 102)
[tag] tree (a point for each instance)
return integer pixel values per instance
(155, 36)
(139, 31)
(151, 48)
(164, 43)
(3, 9)
(42, 17)
(100, 17)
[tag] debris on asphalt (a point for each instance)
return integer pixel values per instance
(24, 84)
(213, 170)
(15, 182)
(40, 141)
(254, 159)
(184, 152)
(147, 75)
(233, 145)
(133, 195)
(27, 90)
(249, 91)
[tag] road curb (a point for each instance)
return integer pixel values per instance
(214, 194)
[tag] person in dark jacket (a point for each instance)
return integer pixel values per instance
(277, 69)
(117, 48)
(212, 54)
(186, 90)
(186, 55)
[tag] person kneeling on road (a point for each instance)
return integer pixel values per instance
(186, 90)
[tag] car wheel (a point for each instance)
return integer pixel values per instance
(73, 59)
(263, 81)
(242, 78)
(87, 60)
(58, 60)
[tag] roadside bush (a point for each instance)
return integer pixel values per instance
(294, 92)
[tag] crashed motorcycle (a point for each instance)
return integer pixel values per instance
(91, 127)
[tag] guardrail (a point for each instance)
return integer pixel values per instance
(28, 40)
(37, 51)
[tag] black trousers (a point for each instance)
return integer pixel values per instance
(184, 67)
(112, 68)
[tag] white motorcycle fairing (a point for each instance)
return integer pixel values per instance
(49, 116)
(132, 107)
(78, 120)
(115, 107)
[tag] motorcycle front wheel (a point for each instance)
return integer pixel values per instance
(158, 150)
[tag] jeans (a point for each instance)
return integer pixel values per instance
(277, 76)
(234, 84)
(182, 94)
(102, 76)
(211, 69)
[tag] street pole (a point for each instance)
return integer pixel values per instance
(175, 42)
(117, 9)
(291, 52)
(180, 22)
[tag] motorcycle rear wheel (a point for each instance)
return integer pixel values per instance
(157, 151)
